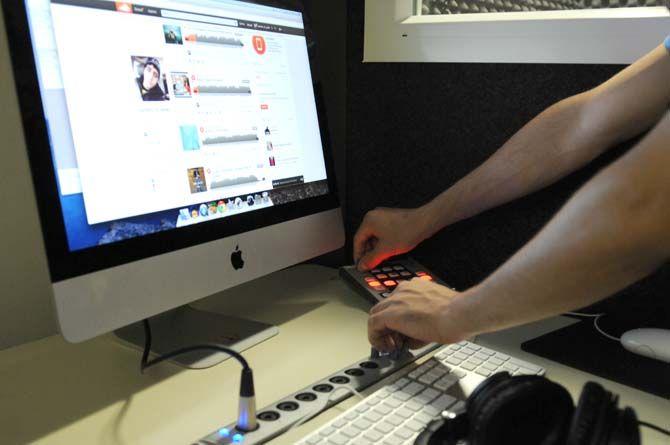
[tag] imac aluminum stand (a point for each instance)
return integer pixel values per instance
(187, 326)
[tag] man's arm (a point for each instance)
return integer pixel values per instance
(559, 141)
(562, 139)
(613, 232)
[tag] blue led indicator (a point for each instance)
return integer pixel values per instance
(224, 432)
(237, 438)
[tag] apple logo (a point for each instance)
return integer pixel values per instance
(236, 258)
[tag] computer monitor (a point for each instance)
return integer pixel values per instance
(177, 148)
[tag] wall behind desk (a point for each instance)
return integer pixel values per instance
(415, 129)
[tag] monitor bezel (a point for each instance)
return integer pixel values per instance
(65, 264)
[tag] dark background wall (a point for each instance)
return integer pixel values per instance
(415, 129)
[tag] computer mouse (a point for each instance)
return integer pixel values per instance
(649, 342)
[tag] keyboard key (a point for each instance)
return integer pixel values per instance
(423, 418)
(413, 405)
(453, 361)
(362, 424)
(415, 426)
(469, 366)
(486, 351)
(394, 420)
(463, 343)
(454, 347)
(416, 373)
(382, 409)
(489, 366)
(339, 423)
(474, 347)
(468, 351)
(392, 440)
(384, 427)
(400, 383)
(403, 433)
(385, 294)
(446, 382)
(327, 431)
(374, 401)
(443, 402)
(362, 408)
(402, 396)
(428, 378)
(496, 361)
(361, 441)
(351, 431)
(405, 274)
(338, 439)
(460, 356)
(483, 371)
(375, 271)
(398, 267)
(459, 373)
(509, 367)
(413, 388)
(386, 269)
(428, 365)
(482, 356)
(373, 435)
(431, 393)
(404, 413)
(476, 361)
(372, 416)
(313, 440)
(393, 275)
(392, 402)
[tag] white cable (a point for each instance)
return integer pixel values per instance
(595, 325)
(315, 412)
(579, 314)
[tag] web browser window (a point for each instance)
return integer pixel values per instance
(174, 112)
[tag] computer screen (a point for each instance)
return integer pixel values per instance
(177, 148)
(168, 114)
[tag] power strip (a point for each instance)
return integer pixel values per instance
(310, 401)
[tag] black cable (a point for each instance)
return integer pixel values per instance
(654, 427)
(146, 363)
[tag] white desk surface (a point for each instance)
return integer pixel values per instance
(53, 392)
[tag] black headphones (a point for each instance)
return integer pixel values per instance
(532, 410)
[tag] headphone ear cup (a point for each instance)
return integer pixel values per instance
(588, 410)
(522, 410)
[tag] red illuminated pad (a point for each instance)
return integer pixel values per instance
(374, 283)
(390, 283)
(426, 277)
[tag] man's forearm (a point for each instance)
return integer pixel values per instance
(613, 232)
(549, 147)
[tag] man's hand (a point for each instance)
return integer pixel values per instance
(422, 312)
(387, 232)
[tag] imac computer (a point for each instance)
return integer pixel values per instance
(177, 148)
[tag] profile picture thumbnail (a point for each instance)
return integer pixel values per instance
(196, 180)
(172, 34)
(181, 86)
(151, 81)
